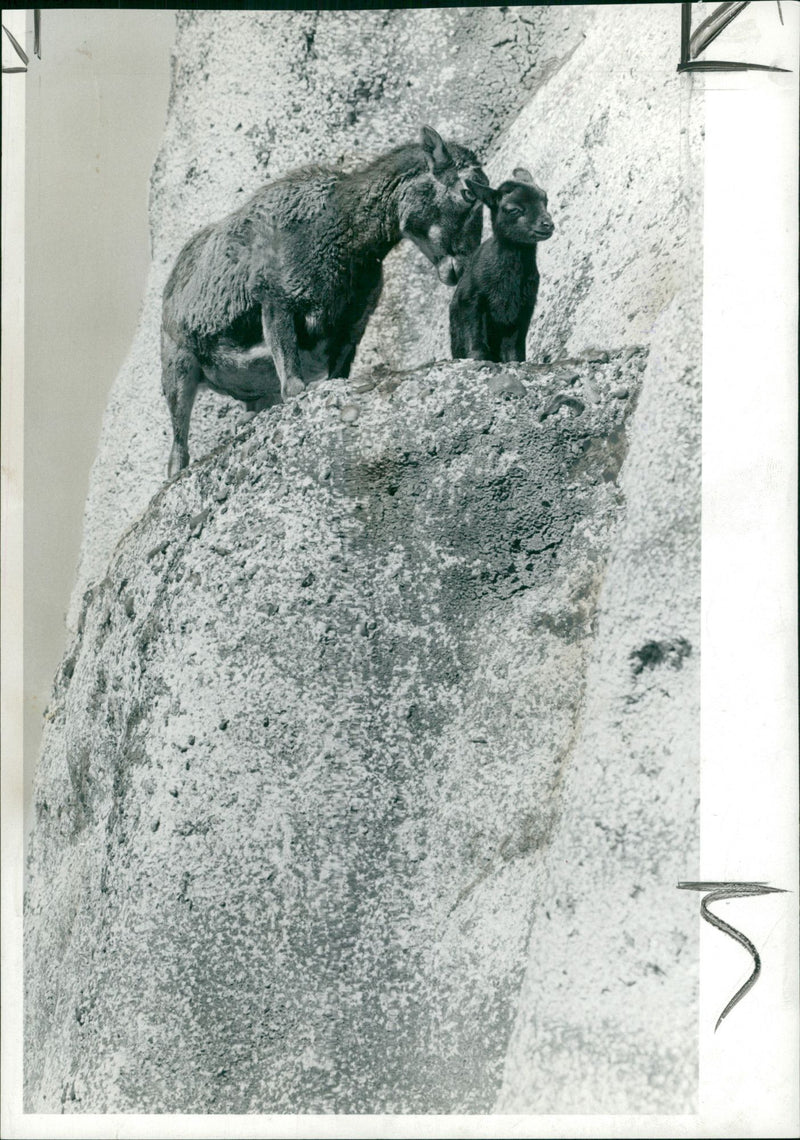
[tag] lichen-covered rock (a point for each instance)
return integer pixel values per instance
(306, 752)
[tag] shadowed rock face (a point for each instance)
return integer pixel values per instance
(308, 746)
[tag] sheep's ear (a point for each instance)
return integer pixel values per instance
(520, 174)
(437, 155)
(483, 192)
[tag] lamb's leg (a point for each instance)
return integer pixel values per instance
(279, 334)
(513, 347)
(468, 330)
(494, 342)
(180, 376)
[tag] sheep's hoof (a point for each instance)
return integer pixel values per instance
(178, 459)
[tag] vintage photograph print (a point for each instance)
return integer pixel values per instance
(369, 780)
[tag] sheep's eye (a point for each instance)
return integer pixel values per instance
(467, 195)
(512, 211)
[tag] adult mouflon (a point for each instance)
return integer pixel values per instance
(279, 293)
(491, 309)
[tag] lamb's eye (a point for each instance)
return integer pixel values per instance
(467, 195)
(512, 211)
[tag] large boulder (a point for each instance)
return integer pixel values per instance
(306, 751)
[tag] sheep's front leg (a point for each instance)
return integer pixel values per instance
(342, 354)
(277, 324)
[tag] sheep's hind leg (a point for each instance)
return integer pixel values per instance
(180, 378)
(341, 355)
(280, 336)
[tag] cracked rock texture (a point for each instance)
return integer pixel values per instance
(371, 766)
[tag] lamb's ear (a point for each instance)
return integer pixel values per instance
(520, 174)
(483, 192)
(437, 155)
